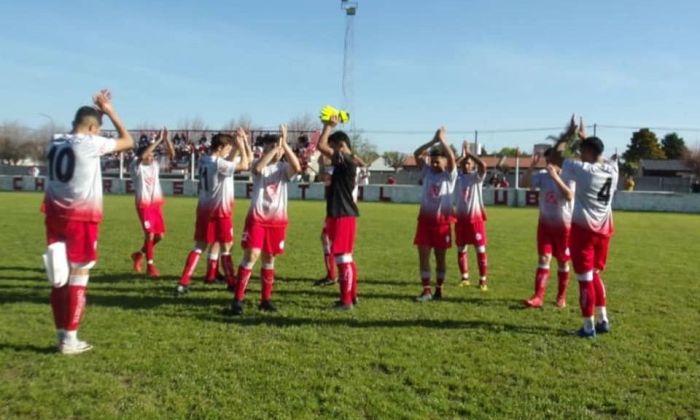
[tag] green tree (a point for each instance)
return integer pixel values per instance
(508, 151)
(394, 159)
(643, 145)
(363, 147)
(673, 146)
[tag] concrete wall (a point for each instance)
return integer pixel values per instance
(632, 201)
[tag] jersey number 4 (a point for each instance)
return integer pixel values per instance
(604, 193)
(61, 164)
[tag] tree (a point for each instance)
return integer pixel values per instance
(394, 159)
(508, 151)
(673, 146)
(643, 145)
(303, 123)
(363, 147)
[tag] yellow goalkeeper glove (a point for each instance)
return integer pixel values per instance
(327, 112)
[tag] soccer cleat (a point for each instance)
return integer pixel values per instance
(424, 297)
(465, 283)
(535, 302)
(602, 327)
(483, 286)
(585, 334)
(236, 308)
(340, 306)
(438, 294)
(152, 271)
(74, 347)
(267, 306)
(561, 302)
(181, 290)
(325, 282)
(137, 258)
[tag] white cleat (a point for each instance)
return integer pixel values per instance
(74, 347)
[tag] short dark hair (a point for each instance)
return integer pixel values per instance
(220, 140)
(85, 113)
(594, 144)
(548, 151)
(437, 151)
(340, 137)
(269, 139)
(303, 139)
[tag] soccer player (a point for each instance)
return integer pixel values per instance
(145, 171)
(73, 208)
(215, 206)
(341, 209)
(554, 226)
(266, 223)
(471, 216)
(434, 230)
(592, 225)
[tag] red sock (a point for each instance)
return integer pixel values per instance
(463, 262)
(267, 280)
(600, 297)
(346, 276)
(354, 280)
(59, 299)
(212, 267)
(425, 279)
(587, 298)
(76, 307)
(190, 265)
(482, 261)
(227, 262)
(541, 279)
(243, 279)
(563, 277)
(330, 267)
(148, 245)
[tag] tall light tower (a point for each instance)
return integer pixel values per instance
(350, 9)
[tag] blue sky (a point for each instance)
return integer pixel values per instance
(469, 64)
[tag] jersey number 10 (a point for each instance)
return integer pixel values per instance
(61, 163)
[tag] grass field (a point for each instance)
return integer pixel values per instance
(474, 354)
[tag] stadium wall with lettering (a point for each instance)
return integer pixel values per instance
(632, 201)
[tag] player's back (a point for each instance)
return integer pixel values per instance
(216, 192)
(74, 188)
(555, 209)
(469, 196)
(595, 186)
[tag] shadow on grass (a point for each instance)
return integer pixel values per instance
(22, 268)
(27, 348)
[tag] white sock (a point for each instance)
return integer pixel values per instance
(465, 276)
(71, 336)
(602, 313)
(589, 324)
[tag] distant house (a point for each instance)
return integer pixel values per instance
(379, 165)
(491, 161)
(664, 168)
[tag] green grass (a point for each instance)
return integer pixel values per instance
(474, 354)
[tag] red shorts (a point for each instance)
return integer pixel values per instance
(589, 250)
(341, 233)
(553, 240)
(151, 219)
(80, 238)
(213, 229)
(434, 235)
(470, 232)
(269, 239)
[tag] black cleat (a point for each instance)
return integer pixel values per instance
(181, 290)
(438, 294)
(236, 308)
(340, 306)
(267, 306)
(325, 282)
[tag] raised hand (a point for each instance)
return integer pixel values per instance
(283, 132)
(571, 129)
(581, 132)
(441, 135)
(103, 101)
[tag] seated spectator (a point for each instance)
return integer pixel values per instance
(391, 180)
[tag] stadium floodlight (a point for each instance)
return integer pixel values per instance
(350, 7)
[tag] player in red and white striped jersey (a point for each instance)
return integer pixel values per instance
(266, 223)
(434, 230)
(227, 154)
(73, 208)
(592, 226)
(145, 175)
(556, 196)
(471, 215)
